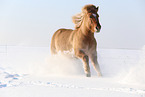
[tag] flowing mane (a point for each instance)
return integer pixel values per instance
(77, 20)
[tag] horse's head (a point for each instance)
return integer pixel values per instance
(88, 18)
(92, 17)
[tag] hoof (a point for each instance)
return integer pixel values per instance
(99, 75)
(88, 75)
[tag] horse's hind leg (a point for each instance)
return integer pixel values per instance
(85, 59)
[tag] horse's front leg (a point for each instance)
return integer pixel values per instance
(95, 63)
(81, 54)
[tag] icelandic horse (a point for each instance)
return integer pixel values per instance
(81, 40)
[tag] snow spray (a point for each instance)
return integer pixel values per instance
(136, 74)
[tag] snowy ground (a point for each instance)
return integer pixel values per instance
(32, 72)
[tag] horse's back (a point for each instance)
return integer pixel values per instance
(61, 40)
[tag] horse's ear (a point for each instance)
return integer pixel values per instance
(97, 8)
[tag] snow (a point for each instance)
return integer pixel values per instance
(33, 72)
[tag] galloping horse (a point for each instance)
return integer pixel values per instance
(81, 40)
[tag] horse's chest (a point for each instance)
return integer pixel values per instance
(88, 42)
(87, 45)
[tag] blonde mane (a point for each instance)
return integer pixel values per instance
(77, 20)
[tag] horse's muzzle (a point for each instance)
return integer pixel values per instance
(98, 29)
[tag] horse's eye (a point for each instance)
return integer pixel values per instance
(91, 16)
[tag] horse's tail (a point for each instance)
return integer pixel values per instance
(53, 49)
(53, 46)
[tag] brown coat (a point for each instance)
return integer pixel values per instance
(81, 40)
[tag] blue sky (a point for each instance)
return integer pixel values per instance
(33, 22)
